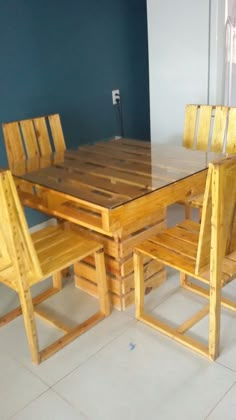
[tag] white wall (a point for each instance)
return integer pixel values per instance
(217, 52)
(178, 36)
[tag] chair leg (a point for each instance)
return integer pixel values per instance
(183, 279)
(139, 284)
(66, 271)
(187, 211)
(30, 325)
(103, 292)
(214, 319)
(57, 280)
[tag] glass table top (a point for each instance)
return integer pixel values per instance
(112, 173)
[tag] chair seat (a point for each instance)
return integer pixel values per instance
(177, 247)
(56, 248)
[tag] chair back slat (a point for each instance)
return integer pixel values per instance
(57, 133)
(223, 211)
(42, 136)
(211, 128)
(204, 244)
(219, 128)
(21, 261)
(228, 203)
(204, 125)
(33, 138)
(220, 194)
(232, 242)
(5, 259)
(190, 125)
(231, 134)
(13, 142)
(29, 138)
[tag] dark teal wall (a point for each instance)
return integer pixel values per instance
(66, 57)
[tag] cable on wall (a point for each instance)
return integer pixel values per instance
(119, 114)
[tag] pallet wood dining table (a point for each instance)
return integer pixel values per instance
(116, 191)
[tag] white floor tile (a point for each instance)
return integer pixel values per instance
(143, 374)
(18, 386)
(49, 406)
(228, 340)
(120, 369)
(227, 334)
(178, 306)
(226, 407)
(76, 353)
(159, 294)
(74, 304)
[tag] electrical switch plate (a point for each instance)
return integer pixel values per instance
(115, 96)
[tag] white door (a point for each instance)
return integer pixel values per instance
(182, 66)
(230, 53)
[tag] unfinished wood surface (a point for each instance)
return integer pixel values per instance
(204, 125)
(217, 254)
(27, 259)
(206, 252)
(106, 195)
(223, 215)
(118, 190)
(209, 127)
(139, 287)
(204, 244)
(123, 301)
(123, 177)
(119, 263)
(231, 133)
(56, 132)
(32, 138)
(212, 128)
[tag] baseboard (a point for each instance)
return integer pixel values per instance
(49, 222)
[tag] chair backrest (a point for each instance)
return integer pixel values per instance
(210, 127)
(218, 224)
(18, 258)
(33, 138)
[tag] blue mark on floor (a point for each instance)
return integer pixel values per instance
(132, 346)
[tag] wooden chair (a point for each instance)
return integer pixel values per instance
(26, 260)
(210, 128)
(33, 138)
(206, 252)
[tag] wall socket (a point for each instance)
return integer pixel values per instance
(115, 95)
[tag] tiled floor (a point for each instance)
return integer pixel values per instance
(120, 369)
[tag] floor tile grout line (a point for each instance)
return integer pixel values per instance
(23, 365)
(44, 392)
(128, 315)
(49, 386)
(92, 355)
(170, 294)
(220, 400)
(26, 405)
(226, 367)
(71, 404)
